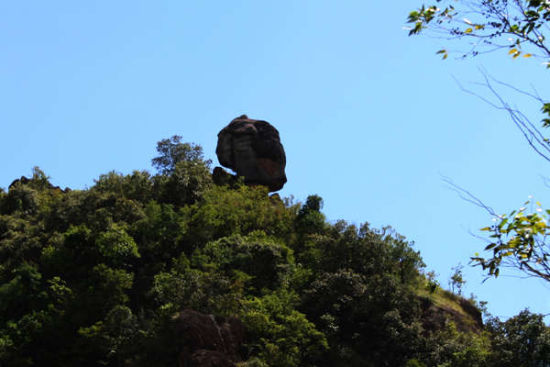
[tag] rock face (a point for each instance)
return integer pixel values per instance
(253, 149)
(208, 341)
(436, 317)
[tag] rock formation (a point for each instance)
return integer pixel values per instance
(465, 316)
(208, 341)
(253, 149)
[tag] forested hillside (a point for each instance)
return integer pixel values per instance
(98, 276)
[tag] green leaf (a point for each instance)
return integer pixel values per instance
(490, 246)
(413, 16)
(442, 52)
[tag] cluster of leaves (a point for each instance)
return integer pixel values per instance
(514, 25)
(522, 340)
(518, 240)
(94, 277)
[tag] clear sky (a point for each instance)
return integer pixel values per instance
(370, 119)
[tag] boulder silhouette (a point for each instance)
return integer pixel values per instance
(253, 150)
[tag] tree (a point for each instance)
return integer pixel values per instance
(184, 173)
(456, 282)
(520, 27)
(172, 151)
(522, 340)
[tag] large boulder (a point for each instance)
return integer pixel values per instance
(253, 149)
(207, 340)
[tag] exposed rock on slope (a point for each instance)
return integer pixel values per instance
(252, 148)
(465, 316)
(208, 341)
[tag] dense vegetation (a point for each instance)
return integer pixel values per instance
(93, 277)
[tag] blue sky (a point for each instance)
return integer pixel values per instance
(370, 119)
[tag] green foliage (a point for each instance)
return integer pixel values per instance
(362, 295)
(172, 151)
(523, 341)
(94, 277)
(310, 219)
(457, 281)
(240, 211)
(21, 198)
(280, 335)
(458, 349)
(518, 240)
(414, 363)
(137, 186)
(117, 246)
(185, 184)
(112, 337)
(183, 173)
(518, 26)
(265, 261)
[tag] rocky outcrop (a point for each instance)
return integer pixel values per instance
(253, 149)
(466, 317)
(208, 341)
(473, 311)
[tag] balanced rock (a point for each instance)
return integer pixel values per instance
(253, 149)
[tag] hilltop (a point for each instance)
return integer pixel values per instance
(159, 269)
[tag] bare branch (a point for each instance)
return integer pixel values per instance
(468, 196)
(530, 132)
